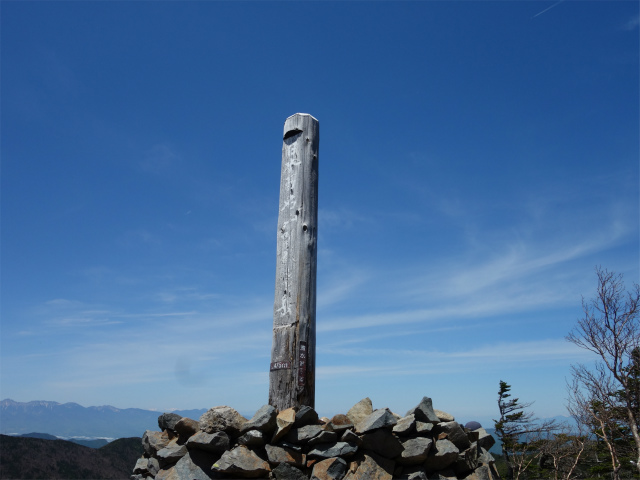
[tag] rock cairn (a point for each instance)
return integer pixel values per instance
(294, 444)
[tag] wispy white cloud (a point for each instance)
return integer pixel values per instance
(632, 24)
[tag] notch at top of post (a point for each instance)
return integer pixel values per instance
(296, 123)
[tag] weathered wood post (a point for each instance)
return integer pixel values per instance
(293, 352)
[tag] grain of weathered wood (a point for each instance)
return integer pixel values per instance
(292, 373)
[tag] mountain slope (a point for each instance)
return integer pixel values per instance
(37, 458)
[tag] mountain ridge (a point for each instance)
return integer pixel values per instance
(73, 420)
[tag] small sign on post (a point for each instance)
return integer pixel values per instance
(293, 352)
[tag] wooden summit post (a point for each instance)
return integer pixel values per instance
(293, 352)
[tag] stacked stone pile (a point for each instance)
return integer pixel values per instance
(294, 444)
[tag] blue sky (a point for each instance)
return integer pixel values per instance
(477, 161)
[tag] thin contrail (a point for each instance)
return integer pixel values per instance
(548, 8)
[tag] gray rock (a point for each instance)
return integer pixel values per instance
(284, 471)
(382, 418)
(454, 433)
(185, 427)
(423, 428)
(305, 416)
(252, 438)
(443, 454)
(167, 421)
(369, 466)
(360, 411)
(170, 454)
(329, 469)
(222, 419)
(277, 455)
(325, 437)
(337, 449)
(303, 434)
(154, 441)
(415, 451)
(264, 420)
(405, 426)
(424, 411)
(467, 461)
(443, 416)
(350, 437)
(340, 423)
(484, 440)
(210, 442)
(383, 442)
(193, 466)
(241, 462)
(485, 458)
(147, 466)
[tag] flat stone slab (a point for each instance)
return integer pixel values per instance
(337, 449)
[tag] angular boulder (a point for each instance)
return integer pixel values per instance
(467, 461)
(454, 433)
(329, 469)
(222, 419)
(443, 454)
(415, 451)
(167, 421)
(306, 416)
(369, 466)
(186, 427)
(383, 442)
(349, 436)
(252, 438)
(264, 420)
(284, 471)
(382, 418)
(443, 416)
(304, 434)
(170, 454)
(484, 439)
(339, 423)
(154, 441)
(193, 466)
(146, 466)
(405, 426)
(277, 455)
(284, 421)
(424, 411)
(360, 411)
(241, 462)
(217, 442)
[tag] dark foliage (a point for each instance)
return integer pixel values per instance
(36, 458)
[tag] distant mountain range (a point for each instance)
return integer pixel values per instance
(73, 420)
